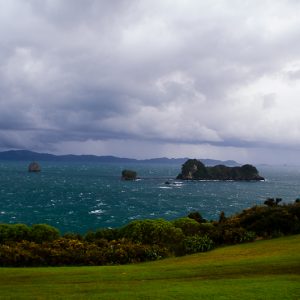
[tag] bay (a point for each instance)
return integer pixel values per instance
(78, 197)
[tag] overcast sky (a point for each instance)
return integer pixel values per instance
(197, 78)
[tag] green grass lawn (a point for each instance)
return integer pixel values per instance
(261, 270)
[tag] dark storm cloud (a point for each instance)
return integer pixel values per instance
(190, 72)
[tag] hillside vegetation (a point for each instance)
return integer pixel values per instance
(268, 269)
(144, 240)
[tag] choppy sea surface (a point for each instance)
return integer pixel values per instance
(77, 197)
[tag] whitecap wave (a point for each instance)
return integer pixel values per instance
(96, 212)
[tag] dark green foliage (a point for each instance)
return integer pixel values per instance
(193, 169)
(248, 170)
(43, 233)
(294, 209)
(259, 221)
(196, 216)
(272, 202)
(206, 228)
(196, 243)
(14, 232)
(105, 233)
(222, 217)
(269, 223)
(42, 245)
(129, 175)
(37, 233)
(231, 235)
(271, 220)
(72, 236)
(188, 226)
(153, 232)
(63, 252)
(219, 172)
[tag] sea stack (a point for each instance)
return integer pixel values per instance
(34, 167)
(129, 175)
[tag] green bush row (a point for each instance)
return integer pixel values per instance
(143, 240)
(64, 252)
(37, 233)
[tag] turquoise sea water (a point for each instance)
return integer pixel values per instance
(79, 197)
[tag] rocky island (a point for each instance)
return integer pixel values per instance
(129, 175)
(194, 169)
(34, 167)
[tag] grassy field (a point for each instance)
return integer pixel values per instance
(261, 270)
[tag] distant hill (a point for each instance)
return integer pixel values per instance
(25, 155)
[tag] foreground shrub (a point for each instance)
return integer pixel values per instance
(14, 232)
(268, 221)
(196, 243)
(187, 225)
(36, 233)
(66, 252)
(43, 233)
(153, 232)
(109, 234)
(196, 216)
(42, 245)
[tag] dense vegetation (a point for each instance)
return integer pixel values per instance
(266, 270)
(144, 240)
(194, 169)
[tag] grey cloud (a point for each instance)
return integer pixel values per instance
(165, 72)
(269, 101)
(294, 75)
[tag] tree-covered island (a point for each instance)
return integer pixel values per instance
(194, 169)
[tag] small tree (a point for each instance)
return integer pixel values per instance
(153, 232)
(271, 202)
(196, 243)
(196, 216)
(187, 225)
(43, 233)
(222, 217)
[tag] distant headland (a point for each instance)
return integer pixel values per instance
(194, 169)
(25, 155)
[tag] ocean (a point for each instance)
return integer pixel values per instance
(78, 197)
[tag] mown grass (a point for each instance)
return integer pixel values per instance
(261, 270)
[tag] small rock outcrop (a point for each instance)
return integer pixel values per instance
(194, 169)
(34, 167)
(129, 175)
